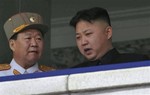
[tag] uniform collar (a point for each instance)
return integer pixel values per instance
(107, 58)
(15, 65)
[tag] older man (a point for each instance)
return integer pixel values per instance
(25, 32)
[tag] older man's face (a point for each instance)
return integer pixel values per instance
(28, 46)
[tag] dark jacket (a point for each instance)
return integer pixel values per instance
(114, 57)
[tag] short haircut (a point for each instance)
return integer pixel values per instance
(90, 15)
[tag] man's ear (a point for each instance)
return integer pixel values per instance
(109, 32)
(12, 44)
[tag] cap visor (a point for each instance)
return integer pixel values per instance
(43, 28)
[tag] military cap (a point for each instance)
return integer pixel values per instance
(23, 21)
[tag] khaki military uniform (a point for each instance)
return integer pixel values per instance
(15, 24)
(15, 69)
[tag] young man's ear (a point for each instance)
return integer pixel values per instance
(109, 32)
(12, 44)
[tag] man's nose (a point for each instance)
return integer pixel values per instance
(84, 41)
(33, 42)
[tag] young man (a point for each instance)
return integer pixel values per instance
(25, 32)
(94, 38)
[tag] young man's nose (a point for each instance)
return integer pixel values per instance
(84, 41)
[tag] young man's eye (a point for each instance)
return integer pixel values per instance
(28, 38)
(77, 37)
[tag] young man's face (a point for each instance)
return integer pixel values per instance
(28, 46)
(93, 39)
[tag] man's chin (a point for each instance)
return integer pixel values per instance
(90, 58)
(33, 59)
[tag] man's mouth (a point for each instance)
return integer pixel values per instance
(87, 50)
(33, 52)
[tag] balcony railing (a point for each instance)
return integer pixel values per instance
(131, 78)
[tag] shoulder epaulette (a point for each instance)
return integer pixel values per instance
(46, 68)
(4, 67)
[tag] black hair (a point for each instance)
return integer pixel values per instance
(90, 15)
